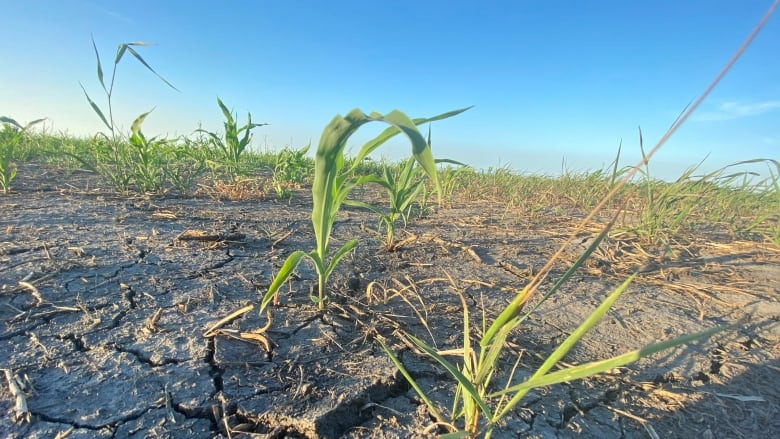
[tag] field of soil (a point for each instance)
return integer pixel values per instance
(106, 300)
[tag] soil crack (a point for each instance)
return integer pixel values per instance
(141, 356)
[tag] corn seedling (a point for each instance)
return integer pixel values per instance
(147, 158)
(333, 182)
(477, 409)
(12, 134)
(452, 179)
(402, 187)
(290, 168)
(232, 144)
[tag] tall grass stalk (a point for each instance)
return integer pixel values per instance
(113, 158)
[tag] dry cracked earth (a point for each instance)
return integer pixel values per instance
(106, 301)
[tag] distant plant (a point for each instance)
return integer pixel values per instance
(451, 179)
(403, 186)
(147, 160)
(232, 144)
(12, 134)
(118, 161)
(333, 183)
(185, 164)
(291, 167)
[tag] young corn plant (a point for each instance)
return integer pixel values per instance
(333, 181)
(291, 167)
(234, 142)
(148, 158)
(403, 188)
(451, 180)
(8, 146)
(403, 184)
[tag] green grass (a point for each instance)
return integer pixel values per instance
(737, 201)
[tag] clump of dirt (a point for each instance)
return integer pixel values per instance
(105, 300)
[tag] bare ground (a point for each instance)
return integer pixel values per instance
(105, 300)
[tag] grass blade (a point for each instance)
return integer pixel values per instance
(595, 367)
(571, 340)
(411, 381)
(142, 61)
(462, 380)
(99, 66)
(96, 109)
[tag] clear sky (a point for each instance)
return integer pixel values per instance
(549, 80)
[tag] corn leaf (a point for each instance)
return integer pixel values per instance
(343, 251)
(135, 128)
(11, 121)
(390, 132)
(364, 205)
(281, 277)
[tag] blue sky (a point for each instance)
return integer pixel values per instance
(549, 80)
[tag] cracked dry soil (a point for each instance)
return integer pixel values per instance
(104, 304)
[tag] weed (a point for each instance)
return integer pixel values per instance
(476, 409)
(117, 161)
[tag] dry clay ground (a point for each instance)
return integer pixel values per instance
(105, 299)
